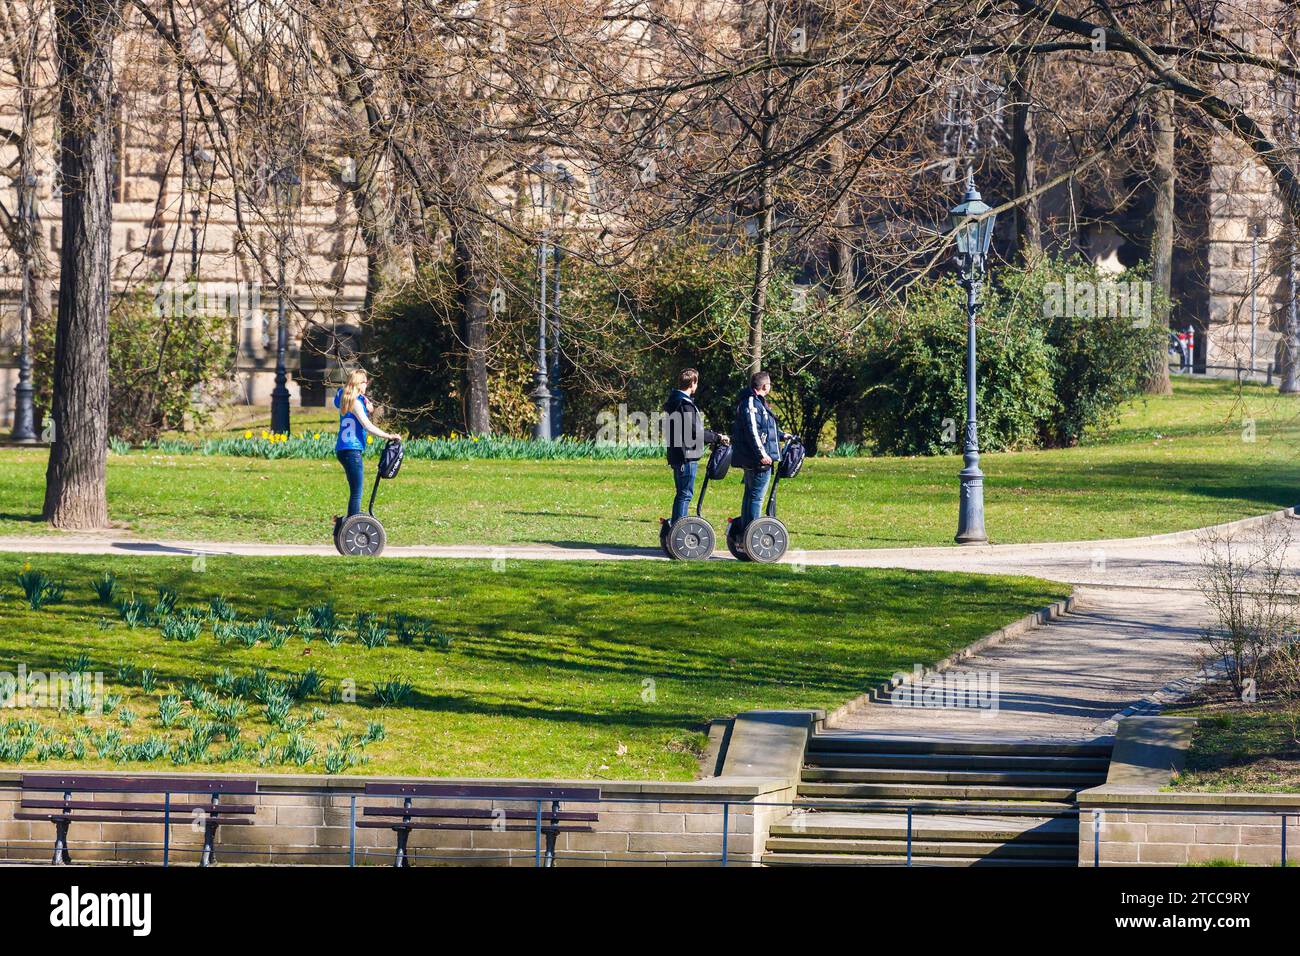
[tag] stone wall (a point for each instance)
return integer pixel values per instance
(307, 820)
(1173, 829)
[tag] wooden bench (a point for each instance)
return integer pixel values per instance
(67, 809)
(548, 823)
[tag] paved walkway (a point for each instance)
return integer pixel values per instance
(1134, 632)
(1068, 678)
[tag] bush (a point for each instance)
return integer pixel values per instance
(158, 363)
(1052, 364)
(916, 403)
(1099, 356)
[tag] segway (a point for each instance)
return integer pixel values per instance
(691, 538)
(362, 535)
(766, 539)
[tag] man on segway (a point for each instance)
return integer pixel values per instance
(686, 438)
(756, 443)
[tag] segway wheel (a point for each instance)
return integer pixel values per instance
(691, 539)
(766, 540)
(362, 536)
(664, 525)
(734, 544)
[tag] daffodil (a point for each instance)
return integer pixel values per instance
(248, 434)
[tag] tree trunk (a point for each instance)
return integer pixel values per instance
(766, 200)
(1024, 147)
(75, 495)
(472, 303)
(1162, 241)
(844, 278)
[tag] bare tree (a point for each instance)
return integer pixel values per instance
(75, 491)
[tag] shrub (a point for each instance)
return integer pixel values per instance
(916, 404)
(1099, 351)
(157, 363)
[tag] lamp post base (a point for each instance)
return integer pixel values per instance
(280, 410)
(24, 429)
(970, 520)
(541, 396)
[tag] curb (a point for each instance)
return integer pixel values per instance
(881, 693)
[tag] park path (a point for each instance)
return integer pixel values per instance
(1133, 637)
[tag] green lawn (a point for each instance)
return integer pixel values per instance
(1208, 453)
(558, 669)
(1240, 748)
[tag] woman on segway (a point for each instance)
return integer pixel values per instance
(354, 425)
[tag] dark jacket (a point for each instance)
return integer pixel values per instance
(684, 431)
(754, 430)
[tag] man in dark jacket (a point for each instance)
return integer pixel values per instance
(756, 439)
(686, 438)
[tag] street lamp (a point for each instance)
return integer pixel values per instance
(552, 193)
(972, 225)
(562, 203)
(285, 190)
(24, 415)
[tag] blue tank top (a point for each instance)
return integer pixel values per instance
(352, 437)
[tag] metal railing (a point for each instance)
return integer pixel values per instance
(1098, 821)
(792, 813)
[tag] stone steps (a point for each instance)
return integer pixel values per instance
(974, 801)
(1067, 852)
(1026, 778)
(934, 791)
(931, 761)
(853, 859)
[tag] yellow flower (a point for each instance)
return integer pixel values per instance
(369, 439)
(263, 432)
(248, 434)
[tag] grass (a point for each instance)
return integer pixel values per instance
(556, 669)
(1240, 748)
(1170, 463)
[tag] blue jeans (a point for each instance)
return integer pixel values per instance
(355, 470)
(751, 505)
(684, 478)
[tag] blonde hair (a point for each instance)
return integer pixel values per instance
(351, 389)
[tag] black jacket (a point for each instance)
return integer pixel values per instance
(754, 431)
(684, 431)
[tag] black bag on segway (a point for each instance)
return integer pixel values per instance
(791, 459)
(390, 459)
(719, 462)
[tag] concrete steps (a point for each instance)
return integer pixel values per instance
(974, 802)
(1067, 779)
(848, 859)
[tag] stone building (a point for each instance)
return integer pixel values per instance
(175, 219)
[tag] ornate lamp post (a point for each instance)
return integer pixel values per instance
(285, 190)
(551, 199)
(972, 225)
(24, 414)
(562, 203)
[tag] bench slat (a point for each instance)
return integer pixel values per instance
(475, 812)
(103, 784)
(101, 818)
(223, 808)
(466, 791)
